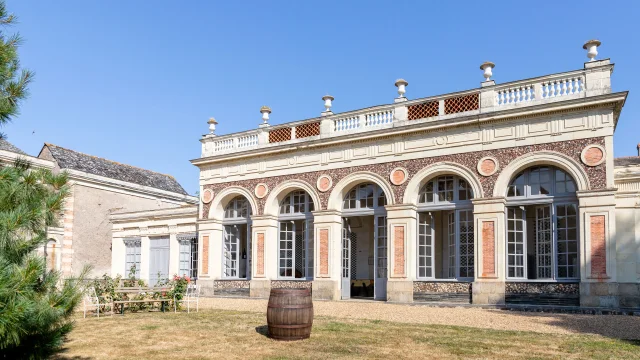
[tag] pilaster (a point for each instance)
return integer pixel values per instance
(264, 247)
(401, 245)
(327, 229)
(489, 220)
(598, 285)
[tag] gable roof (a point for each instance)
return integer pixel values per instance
(7, 146)
(73, 160)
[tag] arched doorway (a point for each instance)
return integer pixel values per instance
(542, 240)
(295, 236)
(364, 243)
(445, 246)
(236, 239)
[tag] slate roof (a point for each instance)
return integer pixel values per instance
(73, 160)
(627, 161)
(7, 146)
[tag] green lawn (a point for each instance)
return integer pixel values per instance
(229, 334)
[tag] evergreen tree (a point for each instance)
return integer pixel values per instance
(35, 304)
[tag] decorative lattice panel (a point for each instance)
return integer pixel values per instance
(354, 256)
(278, 135)
(306, 130)
(461, 104)
(424, 110)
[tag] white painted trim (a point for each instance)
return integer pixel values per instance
(584, 151)
(557, 159)
(412, 191)
(345, 184)
(272, 204)
(216, 210)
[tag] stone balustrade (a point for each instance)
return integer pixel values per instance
(488, 98)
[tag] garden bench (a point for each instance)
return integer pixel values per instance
(163, 290)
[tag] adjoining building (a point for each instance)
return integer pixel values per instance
(506, 193)
(99, 188)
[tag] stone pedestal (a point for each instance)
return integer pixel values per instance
(400, 291)
(488, 293)
(260, 289)
(325, 290)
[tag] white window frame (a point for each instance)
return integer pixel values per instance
(288, 216)
(378, 202)
(133, 250)
(236, 213)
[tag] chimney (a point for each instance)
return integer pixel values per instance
(638, 149)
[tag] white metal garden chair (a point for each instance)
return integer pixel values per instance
(191, 296)
(92, 301)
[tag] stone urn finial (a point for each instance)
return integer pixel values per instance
(592, 48)
(487, 67)
(265, 111)
(327, 104)
(401, 84)
(212, 126)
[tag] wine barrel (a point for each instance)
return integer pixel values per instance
(290, 314)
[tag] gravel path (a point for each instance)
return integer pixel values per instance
(616, 326)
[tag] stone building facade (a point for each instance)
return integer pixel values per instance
(99, 188)
(507, 193)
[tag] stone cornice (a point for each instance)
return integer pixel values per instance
(179, 212)
(614, 100)
(10, 157)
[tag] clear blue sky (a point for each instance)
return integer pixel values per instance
(136, 81)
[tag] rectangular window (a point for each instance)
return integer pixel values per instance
(425, 246)
(230, 254)
(567, 230)
(515, 242)
(194, 259)
(451, 236)
(544, 241)
(427, 195)
(381, 266)
(517, 186)
(465, 233)
(188, 258)
(132, 259)
(464, 191)
(285, 248)
(366, 196)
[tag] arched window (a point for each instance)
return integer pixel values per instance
(296, 202)
(542, 225)
(541, 181)
(445, 189)
(445, 229)
(236, 254)
(363, 197)
(295, 241)
(238, 207)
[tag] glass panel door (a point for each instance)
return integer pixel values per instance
(230, 250)
(451, 236)
(380, 265)
(346, 260)
(466, 239)
(544, 243)
(426, 248)
(515, 242)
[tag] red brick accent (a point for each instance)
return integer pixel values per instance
(260, 251)
(598, 246)
(397, 177)
(398, 250)
(205, 254)
(324, 183)
(488, 249)
(487, 166)
(593, 155)
(324, 252)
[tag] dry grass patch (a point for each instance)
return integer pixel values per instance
(231, 334)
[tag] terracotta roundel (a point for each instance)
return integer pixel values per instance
(207, 196)
(324, 183)
(593, 155)
(398, 176)
(487, 166)
(261, 190)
